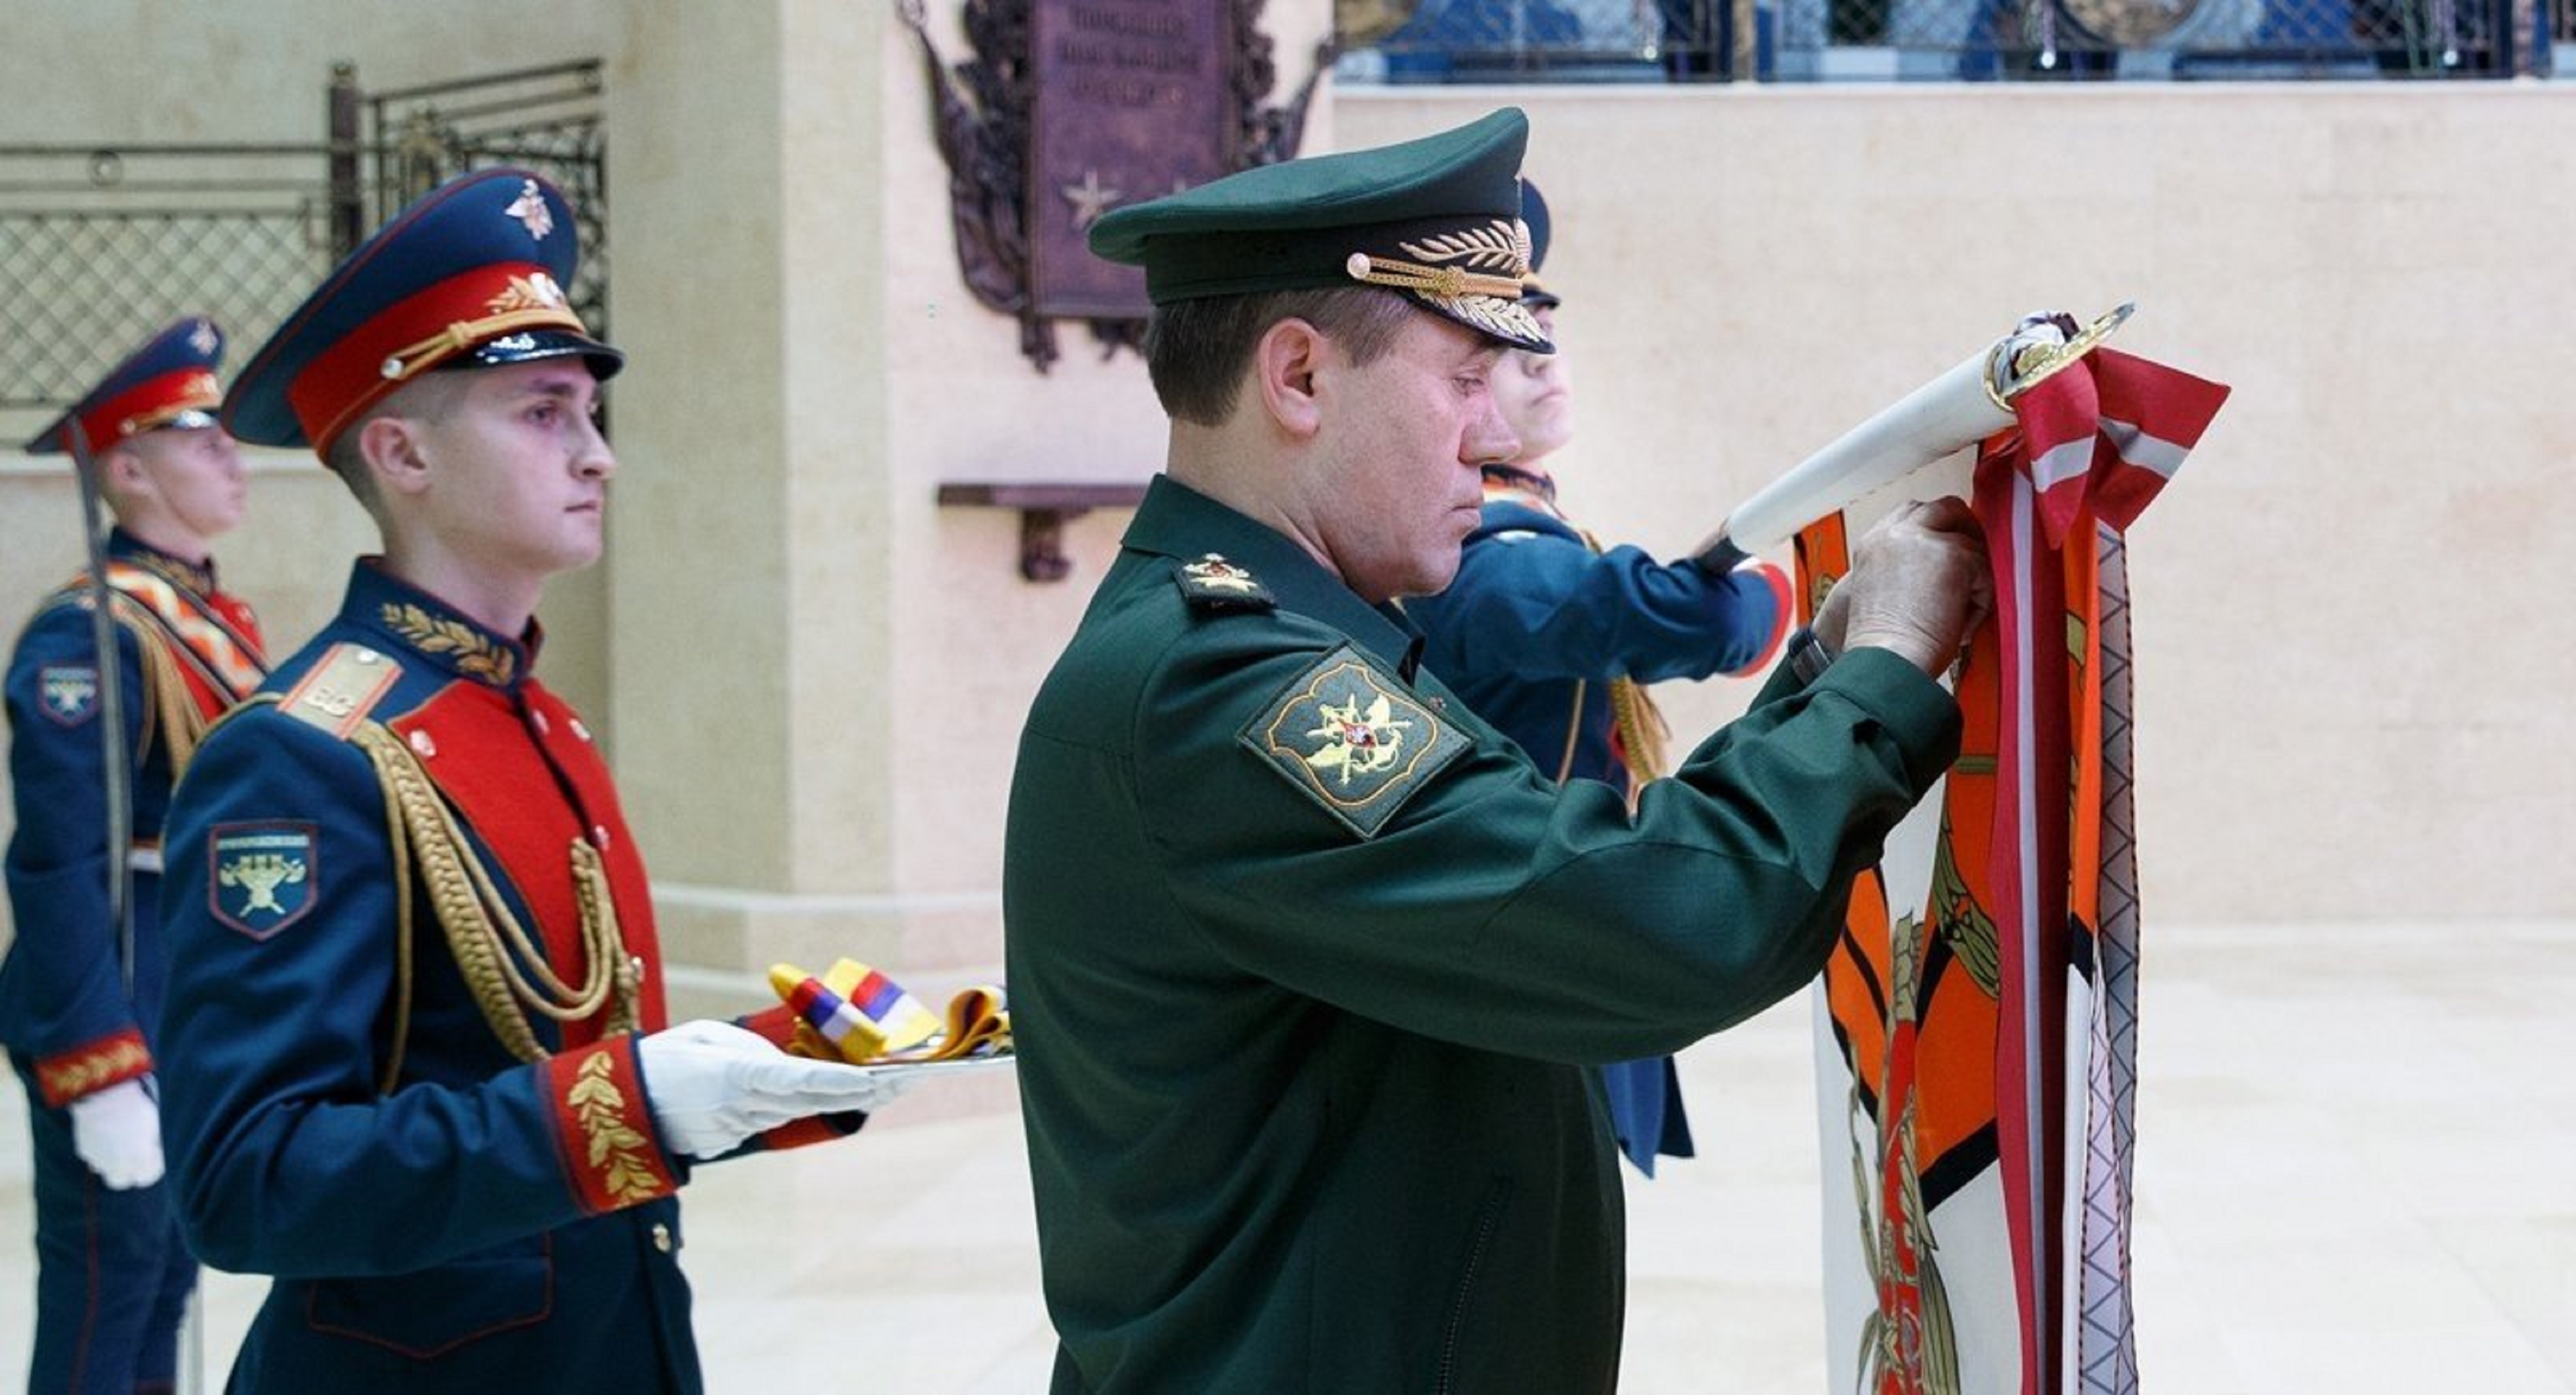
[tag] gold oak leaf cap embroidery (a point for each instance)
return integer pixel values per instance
(1437, 220)
(1215, 584)
(1353, 740)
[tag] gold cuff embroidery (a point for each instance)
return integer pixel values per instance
(622, 1157)
(66, 1081)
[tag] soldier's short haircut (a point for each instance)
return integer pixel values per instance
(1197, 351)
(431, 396)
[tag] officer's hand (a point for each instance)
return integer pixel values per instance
(712, 1085)
(1918, 586)
(117, 1131)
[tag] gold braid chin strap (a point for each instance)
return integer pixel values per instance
(487, 940)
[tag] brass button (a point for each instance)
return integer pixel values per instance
(579, 730)
(661, 1237)
(599, 836)
(424, 743)
(537, 719)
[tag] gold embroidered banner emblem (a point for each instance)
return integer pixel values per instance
(1353, 741)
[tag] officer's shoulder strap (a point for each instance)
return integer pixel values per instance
(1212, 585)
(341, 689)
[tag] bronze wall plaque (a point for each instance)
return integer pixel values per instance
(1134, 100)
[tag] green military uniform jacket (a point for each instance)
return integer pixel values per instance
(1306, 961)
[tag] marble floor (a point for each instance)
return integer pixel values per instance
(2352, 1177)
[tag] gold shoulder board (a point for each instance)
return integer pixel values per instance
(342, 689)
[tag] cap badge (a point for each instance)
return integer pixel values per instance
(530, 210)
(203, 338)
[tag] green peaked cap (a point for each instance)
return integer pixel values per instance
(1435, 219)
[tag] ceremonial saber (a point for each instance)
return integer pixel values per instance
(117, 772)
(1961, 407)
(120, 789)
(115, 760)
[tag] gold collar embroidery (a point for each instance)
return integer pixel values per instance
(474, 652)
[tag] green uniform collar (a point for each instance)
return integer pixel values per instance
(1179, 522)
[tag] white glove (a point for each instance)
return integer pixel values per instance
(711, 1085)
(117, 1131)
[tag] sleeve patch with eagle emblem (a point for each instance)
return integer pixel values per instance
(1353, 740)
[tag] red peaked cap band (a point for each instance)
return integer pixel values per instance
(169, 381)
(417, 334)
(471, 273)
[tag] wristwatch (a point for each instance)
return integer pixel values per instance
(1718, 556)
(1808, 657)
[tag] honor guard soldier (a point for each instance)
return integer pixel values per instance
(416, 1064)
(80, 992)
(1552, 637)
(1309, 965)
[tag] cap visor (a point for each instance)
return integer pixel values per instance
(529, 346)
(1507, 322)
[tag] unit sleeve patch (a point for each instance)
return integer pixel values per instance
(263, 875)
(68, 693)
(1353, 740)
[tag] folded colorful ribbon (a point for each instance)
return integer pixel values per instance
(855, 1013)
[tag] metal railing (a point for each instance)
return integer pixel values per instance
(100, 245)
(1542, 40)
(1826, 40)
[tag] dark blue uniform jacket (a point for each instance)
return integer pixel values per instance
(1532, 632)
(64, 1007)
(480, 1223)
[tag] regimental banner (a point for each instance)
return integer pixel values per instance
(1134, 100)
(1976, 1031)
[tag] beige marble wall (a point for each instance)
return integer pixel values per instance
(813, 675)
(2353, 688)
